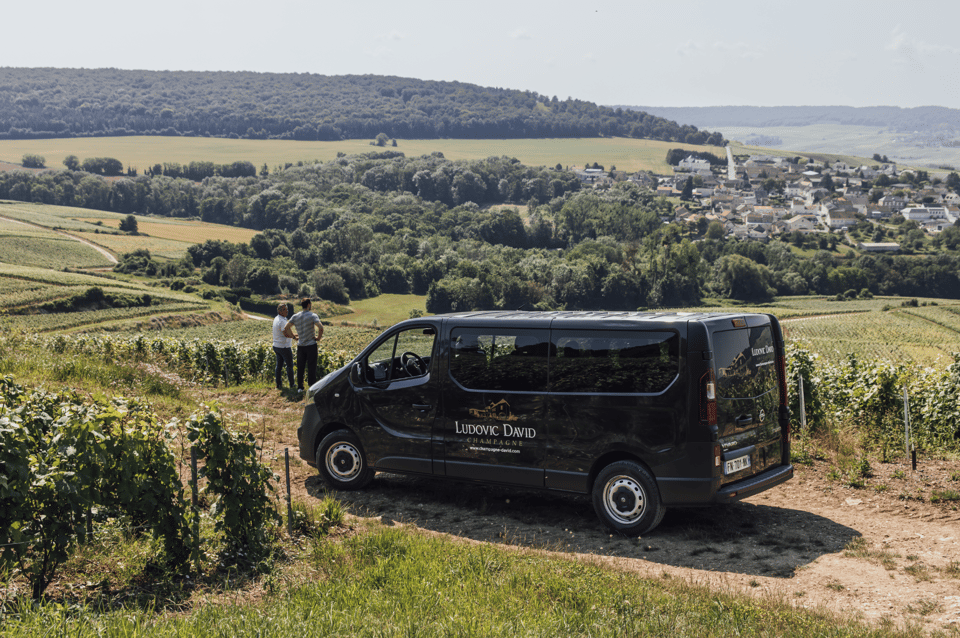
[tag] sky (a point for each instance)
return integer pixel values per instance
(664, 53)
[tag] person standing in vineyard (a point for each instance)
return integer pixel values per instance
(282, 346)
(304, 321)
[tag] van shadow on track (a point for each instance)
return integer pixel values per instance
(744, 538)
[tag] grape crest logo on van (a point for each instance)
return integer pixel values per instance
(500, 411)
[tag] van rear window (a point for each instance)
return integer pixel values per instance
(746, 362)
(614, 361)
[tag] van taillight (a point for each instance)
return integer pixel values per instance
(782, 365)
(784, 409)
(708, 398)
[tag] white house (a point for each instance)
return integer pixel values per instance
(694, 165)
(923, 214)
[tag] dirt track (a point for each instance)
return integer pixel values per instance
(799, 541)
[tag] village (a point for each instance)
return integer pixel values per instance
(762, 196)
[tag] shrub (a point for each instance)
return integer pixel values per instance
(240, 485)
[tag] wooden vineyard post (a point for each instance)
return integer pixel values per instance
(906, 424)
(194, 499)
(286, 454)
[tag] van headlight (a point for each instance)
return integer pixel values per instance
(319, 385)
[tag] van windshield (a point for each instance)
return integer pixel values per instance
(746, 362)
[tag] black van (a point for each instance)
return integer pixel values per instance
(640, 410)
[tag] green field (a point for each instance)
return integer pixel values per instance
(926, 335)
(163, 237)
(24, 289)
(48, 250)
(142, 152)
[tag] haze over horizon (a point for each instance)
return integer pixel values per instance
(747, 53)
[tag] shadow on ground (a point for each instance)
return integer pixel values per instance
(742, 538)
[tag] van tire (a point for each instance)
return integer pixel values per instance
(626, 498)
(341, 461)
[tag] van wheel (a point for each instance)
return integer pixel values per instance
(626, 498)
(341, 462)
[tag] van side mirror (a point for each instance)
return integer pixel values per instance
(356, 374)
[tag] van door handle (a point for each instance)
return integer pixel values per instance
(421, 406)
(367, 389)
(746, 419)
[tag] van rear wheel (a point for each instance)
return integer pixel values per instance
(626, 498)
(341, 461)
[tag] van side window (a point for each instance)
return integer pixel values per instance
(614, 361)
(499, 360)
(405, 354)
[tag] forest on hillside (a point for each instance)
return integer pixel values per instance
(475, 234)
(44, 103)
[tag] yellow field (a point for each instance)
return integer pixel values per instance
(184, 231)
(142, 152)
(163, 237)
(120, 244)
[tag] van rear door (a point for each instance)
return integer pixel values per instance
(748, 396)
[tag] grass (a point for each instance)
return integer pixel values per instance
(120, 244)
(860, 548)
(944, 496)
(395, 582)
(382, 311)
(23, 290)
(144, 151)
(165, 237)
(47, 250)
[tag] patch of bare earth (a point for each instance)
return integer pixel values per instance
(882, 552)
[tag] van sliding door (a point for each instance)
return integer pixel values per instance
(494, 425)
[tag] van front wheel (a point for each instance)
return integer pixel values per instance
(341, 462)
(626, 498)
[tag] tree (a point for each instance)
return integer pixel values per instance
(953, 182)
(381, 139)
(715, 230)
(741, 278)
(33, 161)
(687, 193)
(129, 224)
(331, 286)
(262, 280)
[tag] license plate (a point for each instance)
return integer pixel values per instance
(735, 465)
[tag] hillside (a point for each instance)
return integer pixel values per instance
(923, 136)
(922, 118)
(44, 103)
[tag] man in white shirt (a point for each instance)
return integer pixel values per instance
(282, 346)
(305, 321)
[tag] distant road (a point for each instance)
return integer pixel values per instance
(100, 249)
(731, 165)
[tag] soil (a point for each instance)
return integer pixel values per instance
(882, 552)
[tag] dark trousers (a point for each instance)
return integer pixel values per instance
(307, 358)
(284, 360)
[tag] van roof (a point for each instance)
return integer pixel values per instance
(593, 316)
